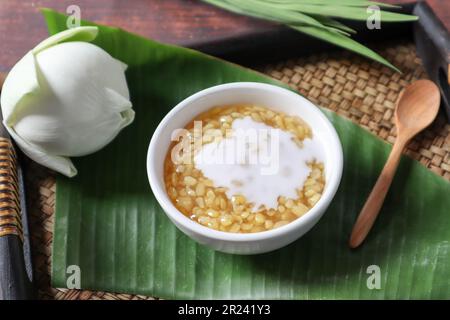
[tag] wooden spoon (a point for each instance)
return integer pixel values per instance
(416, 109)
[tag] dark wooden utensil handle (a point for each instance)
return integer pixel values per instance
(14, 279)
(15, 272)
(433, 46)
(14, 282)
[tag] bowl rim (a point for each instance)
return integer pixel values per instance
(173, 213)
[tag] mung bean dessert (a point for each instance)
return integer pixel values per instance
(244, 168)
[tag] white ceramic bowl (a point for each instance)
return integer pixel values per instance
(275, 98)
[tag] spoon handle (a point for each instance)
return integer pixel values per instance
(376, 198)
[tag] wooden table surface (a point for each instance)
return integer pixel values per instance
(182, 22)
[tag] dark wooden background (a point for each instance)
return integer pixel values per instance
(183, 22)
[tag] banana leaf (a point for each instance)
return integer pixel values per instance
(109, 224)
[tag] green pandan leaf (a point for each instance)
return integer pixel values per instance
(344, 42)
(314, 18)
(109, 224)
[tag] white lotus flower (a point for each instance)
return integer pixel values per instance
(65, 98)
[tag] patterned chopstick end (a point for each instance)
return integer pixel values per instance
(10, 220)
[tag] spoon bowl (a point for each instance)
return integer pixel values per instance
(417, 107)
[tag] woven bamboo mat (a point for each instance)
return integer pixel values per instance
(353, 87)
